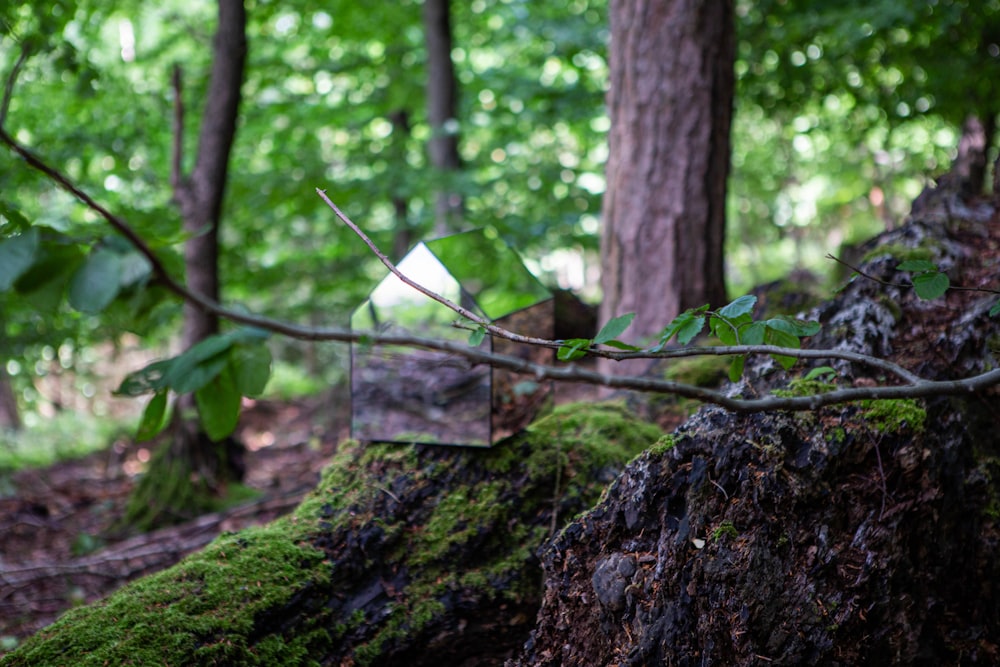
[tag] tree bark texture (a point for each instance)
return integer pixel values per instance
(442, 112)
(200, 195)
(670, 101)
(863, 534)
(194, 466)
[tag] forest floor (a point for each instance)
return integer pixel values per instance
(59, 544)
(61, 547)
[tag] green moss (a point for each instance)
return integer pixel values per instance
(663, 445)
(894, 414)
(213, 607)
(836, 435)
(899, 252)
(200, 611)
(702, 371)
(803, 387)
(724, 529)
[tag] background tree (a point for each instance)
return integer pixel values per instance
(194, 464)
(670, 101)
(442, 112)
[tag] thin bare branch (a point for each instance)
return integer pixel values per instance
(467, 314)
(868, 276)
(914, 388)
(177, 155)
(8, 89)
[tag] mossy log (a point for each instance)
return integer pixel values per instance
(404, 555)
(864, 534)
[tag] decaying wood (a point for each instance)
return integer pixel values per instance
(858, 534)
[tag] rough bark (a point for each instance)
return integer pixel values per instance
(401, 556)
(970, 162)
(670, 102)
(442, 112)
(194, 466)
(862, 534)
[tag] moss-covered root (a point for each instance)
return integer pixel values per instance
(402, 555)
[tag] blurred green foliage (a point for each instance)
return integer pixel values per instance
(843, 111)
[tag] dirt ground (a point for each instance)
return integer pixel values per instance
(58, 544)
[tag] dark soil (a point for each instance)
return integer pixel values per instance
(61, 545)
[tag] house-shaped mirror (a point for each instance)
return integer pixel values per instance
(401, 394)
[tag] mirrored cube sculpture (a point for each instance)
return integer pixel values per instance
(402, 394)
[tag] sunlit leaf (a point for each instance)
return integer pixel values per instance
(995, 310)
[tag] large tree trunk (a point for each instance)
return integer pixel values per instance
(442, 113)
(193, 466)
(670, 103)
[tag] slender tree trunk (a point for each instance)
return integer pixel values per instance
(10, 417)
(970, 163)
(442, 112)
(670, 101)
(200, 465)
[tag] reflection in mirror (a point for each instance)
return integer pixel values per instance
(407, 395)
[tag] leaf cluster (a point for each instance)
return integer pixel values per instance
(219, 370)
(733, 325)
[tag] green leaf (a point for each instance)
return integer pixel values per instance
(97, 282)
(782, 339)
(619, 345)
(740, 306)
(792, 326)
(218, 406)
(251, 368)
(685, 326)
(153, 421)
(930, 285)
(995, 310)
(821, 371)
(614, 328)
(146, 380)
(736, 368)
(573, 348)
(477, 336)
(17, 254)
(919, 265)
(753, 334)
(195, 368)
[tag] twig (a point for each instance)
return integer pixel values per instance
(467, 314)
(957, 288)
(916, 387)
(8, 89)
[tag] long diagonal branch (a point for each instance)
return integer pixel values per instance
(914, 387)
